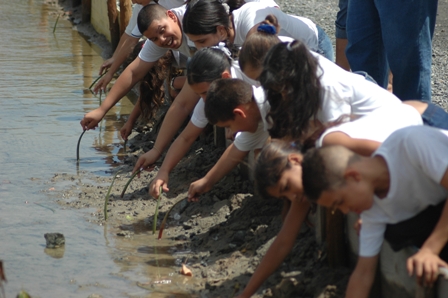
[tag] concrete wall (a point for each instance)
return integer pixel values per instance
(99, 17)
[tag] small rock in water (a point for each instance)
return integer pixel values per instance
(176, 216)
(54, 240)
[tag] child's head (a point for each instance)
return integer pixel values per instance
(278, 171)
(332, 177)
(260, 39)
(207, 65)
(230, 104)
(207, 22)
(292, 87)
(160, 25)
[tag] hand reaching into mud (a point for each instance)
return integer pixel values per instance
(103, 82)
(425, 265)
(106, 65)
(91, 119)
(147, 160)
(197, 188)
(126, 130)
(161, 180)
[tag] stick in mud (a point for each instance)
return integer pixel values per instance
(162, 225)
(106, 200)
(77, 147)
(129, 181)
(55, 23)
(156, 213)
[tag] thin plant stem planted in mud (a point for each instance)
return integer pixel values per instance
(124, 146)
(97, 79)
(101, 93)
(156, 213)
(106, 200)
(129, 182)
(77, 147)
(55, 23)
(162, 225)
(45, 207)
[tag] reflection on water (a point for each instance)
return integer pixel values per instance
(43, 82)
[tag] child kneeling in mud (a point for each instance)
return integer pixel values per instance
(400, 193)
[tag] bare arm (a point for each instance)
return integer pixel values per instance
(127, 127)
(280, 248)
(229, 159)
(426, 262)
(362, 278)
(177, 150)
(360, 146)
(124, 48)
(130, 76)
(177, 113)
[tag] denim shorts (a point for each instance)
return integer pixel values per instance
(435, 116)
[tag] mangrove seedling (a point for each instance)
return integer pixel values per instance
(156, 213)
(162, 225)
(106, 200)
(96, 80)
(77, 147)
(101, 93)
(129, 182)
(124, 146)
(55, 23)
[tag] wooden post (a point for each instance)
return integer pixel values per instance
(125, 14)
(76, 3)
(114, 27)
(86, 10)
(337, 250)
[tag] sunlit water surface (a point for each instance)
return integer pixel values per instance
(44, 82)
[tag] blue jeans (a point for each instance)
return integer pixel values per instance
(325, 47)
(341, 20)
(435, 116)
(396, 34)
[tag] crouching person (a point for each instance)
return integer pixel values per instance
(404, 184)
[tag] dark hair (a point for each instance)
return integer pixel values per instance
(203, 16)
(292, 87)
(152, 92)
(323, 169)
(223, 96)
(257, 44)
(271, 163)
(207, 65)
(148, 14)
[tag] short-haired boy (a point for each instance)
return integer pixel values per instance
(396, 186)
(242, 108)
(163, 28)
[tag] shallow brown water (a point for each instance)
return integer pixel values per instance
(43, 85)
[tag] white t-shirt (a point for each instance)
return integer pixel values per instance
(253, 13)
(132, 28)
(246, 141)
(378, 125)
(198, 118)
(417, 160)
(151, 52)
(347, 93)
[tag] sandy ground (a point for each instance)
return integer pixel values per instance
(230, 229)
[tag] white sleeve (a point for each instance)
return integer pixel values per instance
(371, 237)
(151, 52)
(198, 118)
(136, 33)
(133, 21)
(246, 141)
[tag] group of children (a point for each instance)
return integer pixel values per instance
(367, 151)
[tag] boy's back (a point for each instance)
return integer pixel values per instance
(417, 159)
